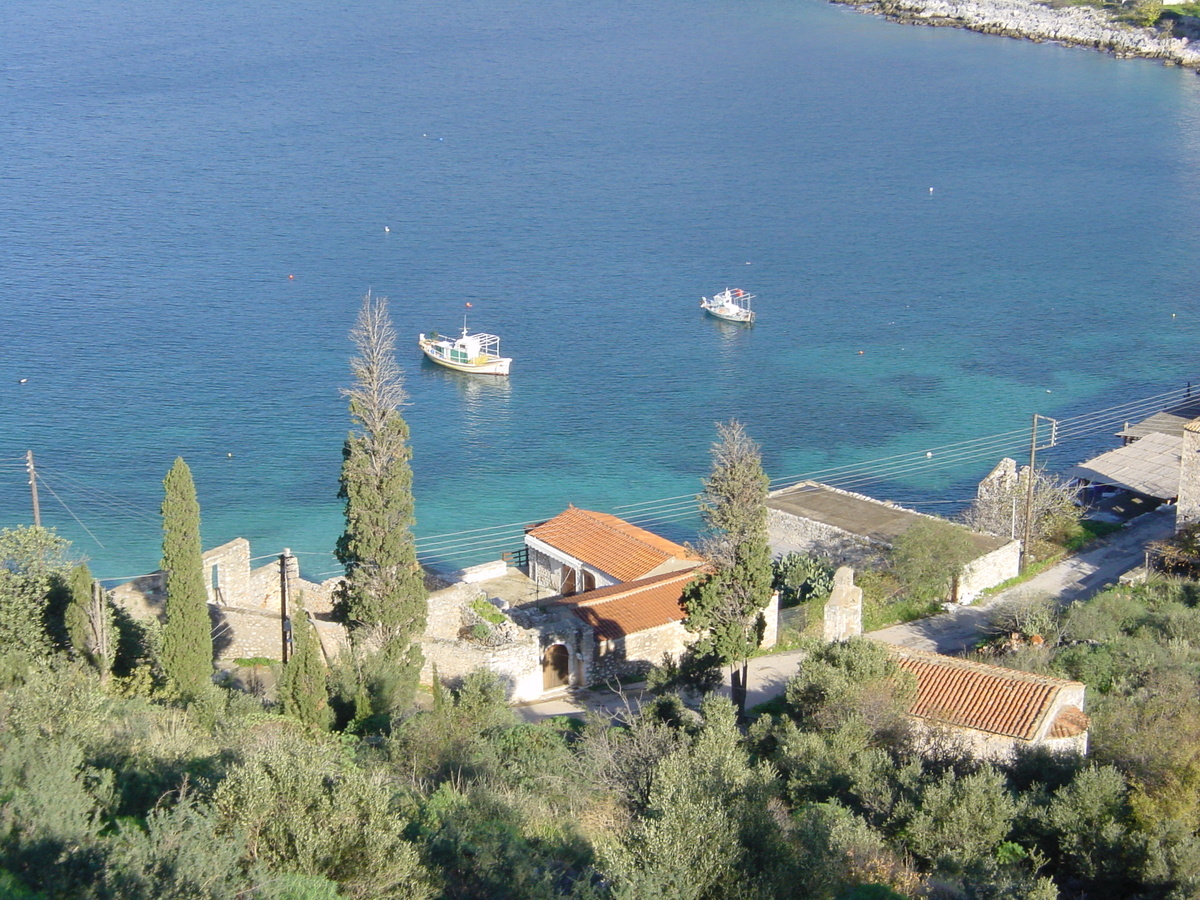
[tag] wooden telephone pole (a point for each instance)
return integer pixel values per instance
(284, 561)
(1034, 447)
(37, 511)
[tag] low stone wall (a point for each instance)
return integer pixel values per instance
(518, 664)
(1081, 26)
(988, 571)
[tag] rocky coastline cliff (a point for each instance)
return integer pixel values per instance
(1080, 26)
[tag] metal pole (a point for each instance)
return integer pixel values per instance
(37, 512)
(284, 558)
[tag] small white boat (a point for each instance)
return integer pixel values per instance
(478, 353)
(732, 305)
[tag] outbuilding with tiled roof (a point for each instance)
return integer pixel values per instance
(996, 710)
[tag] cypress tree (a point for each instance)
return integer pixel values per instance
(79, 587)
(383, 597)
(304, 688)
(726, 607)
(187, 649)
(89, 620)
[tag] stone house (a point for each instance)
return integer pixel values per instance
(993, 710)
(557, 636)
(580, 550)
(855, 530)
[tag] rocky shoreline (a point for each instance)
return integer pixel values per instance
(1080, 26)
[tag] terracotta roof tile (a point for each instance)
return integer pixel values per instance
(974, 695)
(608, 543)
(1070, 722)
(623, 609)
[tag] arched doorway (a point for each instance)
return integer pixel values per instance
(568, 582)
(554, 667)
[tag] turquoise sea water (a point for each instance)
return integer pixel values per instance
(195, 199)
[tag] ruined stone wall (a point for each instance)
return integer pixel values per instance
(1187, 509)
(227, 575)
(988, 571)
(771, 615)
(519, 664)
(843, 609)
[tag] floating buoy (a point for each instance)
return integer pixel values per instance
(929, 454)
(931, 190)
(23, 381)
(860, 353)
(230, 455)
(386, 230)
(291, 278)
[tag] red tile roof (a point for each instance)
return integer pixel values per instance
(1070, 722)
(974, 695)
(608, 543)
(623, 609)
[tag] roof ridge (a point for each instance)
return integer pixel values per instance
(630, 588)
(970, 664)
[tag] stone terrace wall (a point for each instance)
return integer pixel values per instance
(989, 570)
(519, 664)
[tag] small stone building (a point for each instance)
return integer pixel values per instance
(243, 602)
(994, 710)
(556, 636)
(856, 530)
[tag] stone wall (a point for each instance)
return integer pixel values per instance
(634, 654)
(820, 539)
(519, 664)
(771, 615)
(1187, 509)
(843, 609)
(988, 571)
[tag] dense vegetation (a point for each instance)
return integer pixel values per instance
(123, 788)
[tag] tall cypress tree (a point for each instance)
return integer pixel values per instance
(304, 687)
(726, 607)
(187, 649)
(383, 597)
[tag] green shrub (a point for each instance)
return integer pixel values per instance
(487, 611)
(799, 577)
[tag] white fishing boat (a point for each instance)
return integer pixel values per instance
(478, 353)
(732, 305)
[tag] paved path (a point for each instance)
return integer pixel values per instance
(1075, 578)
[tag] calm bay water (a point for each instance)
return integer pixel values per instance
(195, 196)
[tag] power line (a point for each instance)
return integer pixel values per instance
(54, 493)
(850, 475)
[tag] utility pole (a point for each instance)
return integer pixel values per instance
(284, 561)
(37, 511)
(1033, 449)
